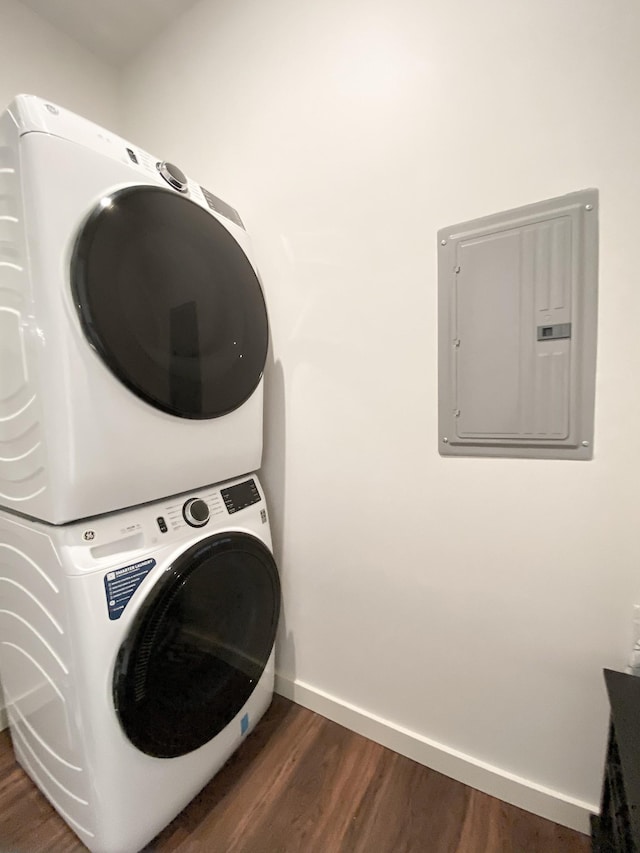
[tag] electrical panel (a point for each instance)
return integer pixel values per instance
(517, 331)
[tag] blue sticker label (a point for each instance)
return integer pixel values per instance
(120, 585)
(244, 724)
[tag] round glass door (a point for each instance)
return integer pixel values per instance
(170, 302)
(198, 645)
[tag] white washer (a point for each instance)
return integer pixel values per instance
(134, 661)
(133, 324)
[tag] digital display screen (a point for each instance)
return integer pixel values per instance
(222, 207)
(241, 496)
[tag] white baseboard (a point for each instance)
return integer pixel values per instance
(477, 774)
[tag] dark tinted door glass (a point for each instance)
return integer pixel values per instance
(171, 302)
(198, 645)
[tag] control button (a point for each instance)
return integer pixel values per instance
(173, 176)
(132, 155)
(162, 524)
(196, 512)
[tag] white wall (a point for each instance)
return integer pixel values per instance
(37, 59)
(465, 606)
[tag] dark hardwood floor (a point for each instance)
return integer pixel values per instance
(302, 784)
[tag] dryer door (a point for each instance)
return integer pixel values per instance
(198, 645)
(170, 302)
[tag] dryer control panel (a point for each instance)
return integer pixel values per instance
(31, 113)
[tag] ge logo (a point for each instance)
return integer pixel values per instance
(88, 535)
(53, 110)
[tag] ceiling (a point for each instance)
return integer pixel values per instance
(114, 30)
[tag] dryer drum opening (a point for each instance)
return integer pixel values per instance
(171, 303)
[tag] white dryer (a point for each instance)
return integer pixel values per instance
(133, 324)
(136, 652)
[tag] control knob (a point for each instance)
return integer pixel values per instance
(173, 176)
(195, 512)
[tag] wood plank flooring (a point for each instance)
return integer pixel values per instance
(302, 784)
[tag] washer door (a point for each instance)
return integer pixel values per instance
(198, 645)
(170, 302)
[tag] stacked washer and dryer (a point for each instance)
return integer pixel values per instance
(138, 602)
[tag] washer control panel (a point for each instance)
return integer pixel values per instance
(240, 496)
(196, 512)
(128, 538)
